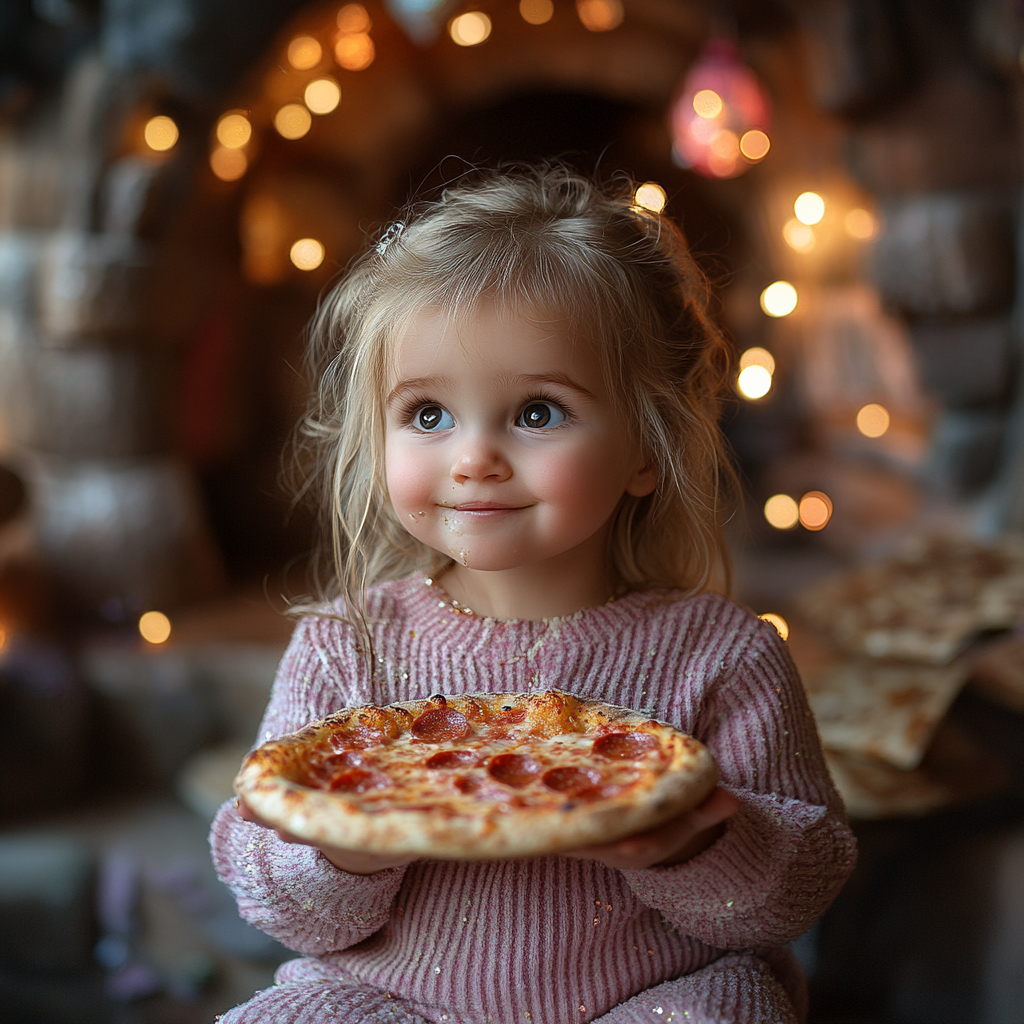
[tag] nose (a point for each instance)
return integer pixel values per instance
(480, 460)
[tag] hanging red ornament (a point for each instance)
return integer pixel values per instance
(720, 115)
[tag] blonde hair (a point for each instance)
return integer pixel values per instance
(531, 238)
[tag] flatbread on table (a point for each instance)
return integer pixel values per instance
(477, 776)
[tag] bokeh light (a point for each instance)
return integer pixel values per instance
(154, 627)
(353, 18)
(355, 52)
(754, 145)
(754, 382)
(782, 512)
(304, 52)
(860, 224)
(600, 15)
(798, 236)
(228, 164)
(322, 95)
(293, 121)
(3, 637)
(779, 299)
(160, 133)
(651, 196)
(758, 357)
(707, 104)
(780, 624)
(536, 12)
(234, 131)
(873, 420)
(815, 510)
(470, 29)
(809, 208)
(307, 253)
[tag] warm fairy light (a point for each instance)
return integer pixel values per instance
(600, 15)
(469, 29)
(779, 299)
(160, 133)
(353, 18)
(155, 627)
(758, 357)
(754, 145)
(234, 131)
(754, 382)
(293, 120)
(780, 624)
(322, 95)
(815, 510)
(782, 512)
(809, 208)
(3, 638)
(860, 224)
(651, 196)
(304, 52)
(228, 164)
(707, 104)
(307, 253)
(355, 52)
(798, 236)
(536, 12)
(873, 420)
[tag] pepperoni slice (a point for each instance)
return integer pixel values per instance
(452, 759)
(625, 745)
(469, 784)
(516, 770)
(571, 780)
(440, 725)
(358, 780)
(344, 759)
(604, 792)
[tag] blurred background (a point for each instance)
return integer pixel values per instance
(181, 179)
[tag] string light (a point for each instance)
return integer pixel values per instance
(304, 52)
(600, 15)
(293, 121)
(160, 133)
(234, 130)
(873, 420)
(707, 104)
(780, 624)
(754, 145)
(470, 29)
(651, 196)
(322, 95)
(860, 224)
(155, 627)
(798, 236)
(782, 512)
(779, 299)
(3, 638)
(353, 18)
(758, 357)
(815, 510)
(228, 164)
(754, 382)
(355, 52)
(536, 12)
(307, 253)
(809, 208)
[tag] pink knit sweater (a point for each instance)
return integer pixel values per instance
(552, 940)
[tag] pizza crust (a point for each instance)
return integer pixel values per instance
(553, 729)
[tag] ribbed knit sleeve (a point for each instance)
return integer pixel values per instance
(787, 851)
(290, 891)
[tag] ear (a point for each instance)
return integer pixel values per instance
(643, 481)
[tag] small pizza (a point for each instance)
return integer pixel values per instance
(477, 776)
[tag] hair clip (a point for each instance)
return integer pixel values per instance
(393, 231)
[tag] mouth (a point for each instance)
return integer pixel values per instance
(484, 506)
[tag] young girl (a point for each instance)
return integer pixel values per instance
(521, 466)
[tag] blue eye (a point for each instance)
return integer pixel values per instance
(433, 418)
(541, 414)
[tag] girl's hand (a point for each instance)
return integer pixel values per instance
(672, 843)
(355, 862)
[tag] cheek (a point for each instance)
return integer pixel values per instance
(410, 476)
(587, 482)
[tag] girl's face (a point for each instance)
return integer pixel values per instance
(503, 448)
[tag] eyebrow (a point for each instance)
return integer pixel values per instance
(554, 378)
(403, 387)
(417, 384)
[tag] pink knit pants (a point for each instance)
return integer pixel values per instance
(734, 990)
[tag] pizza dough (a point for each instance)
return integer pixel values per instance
(477, 776)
